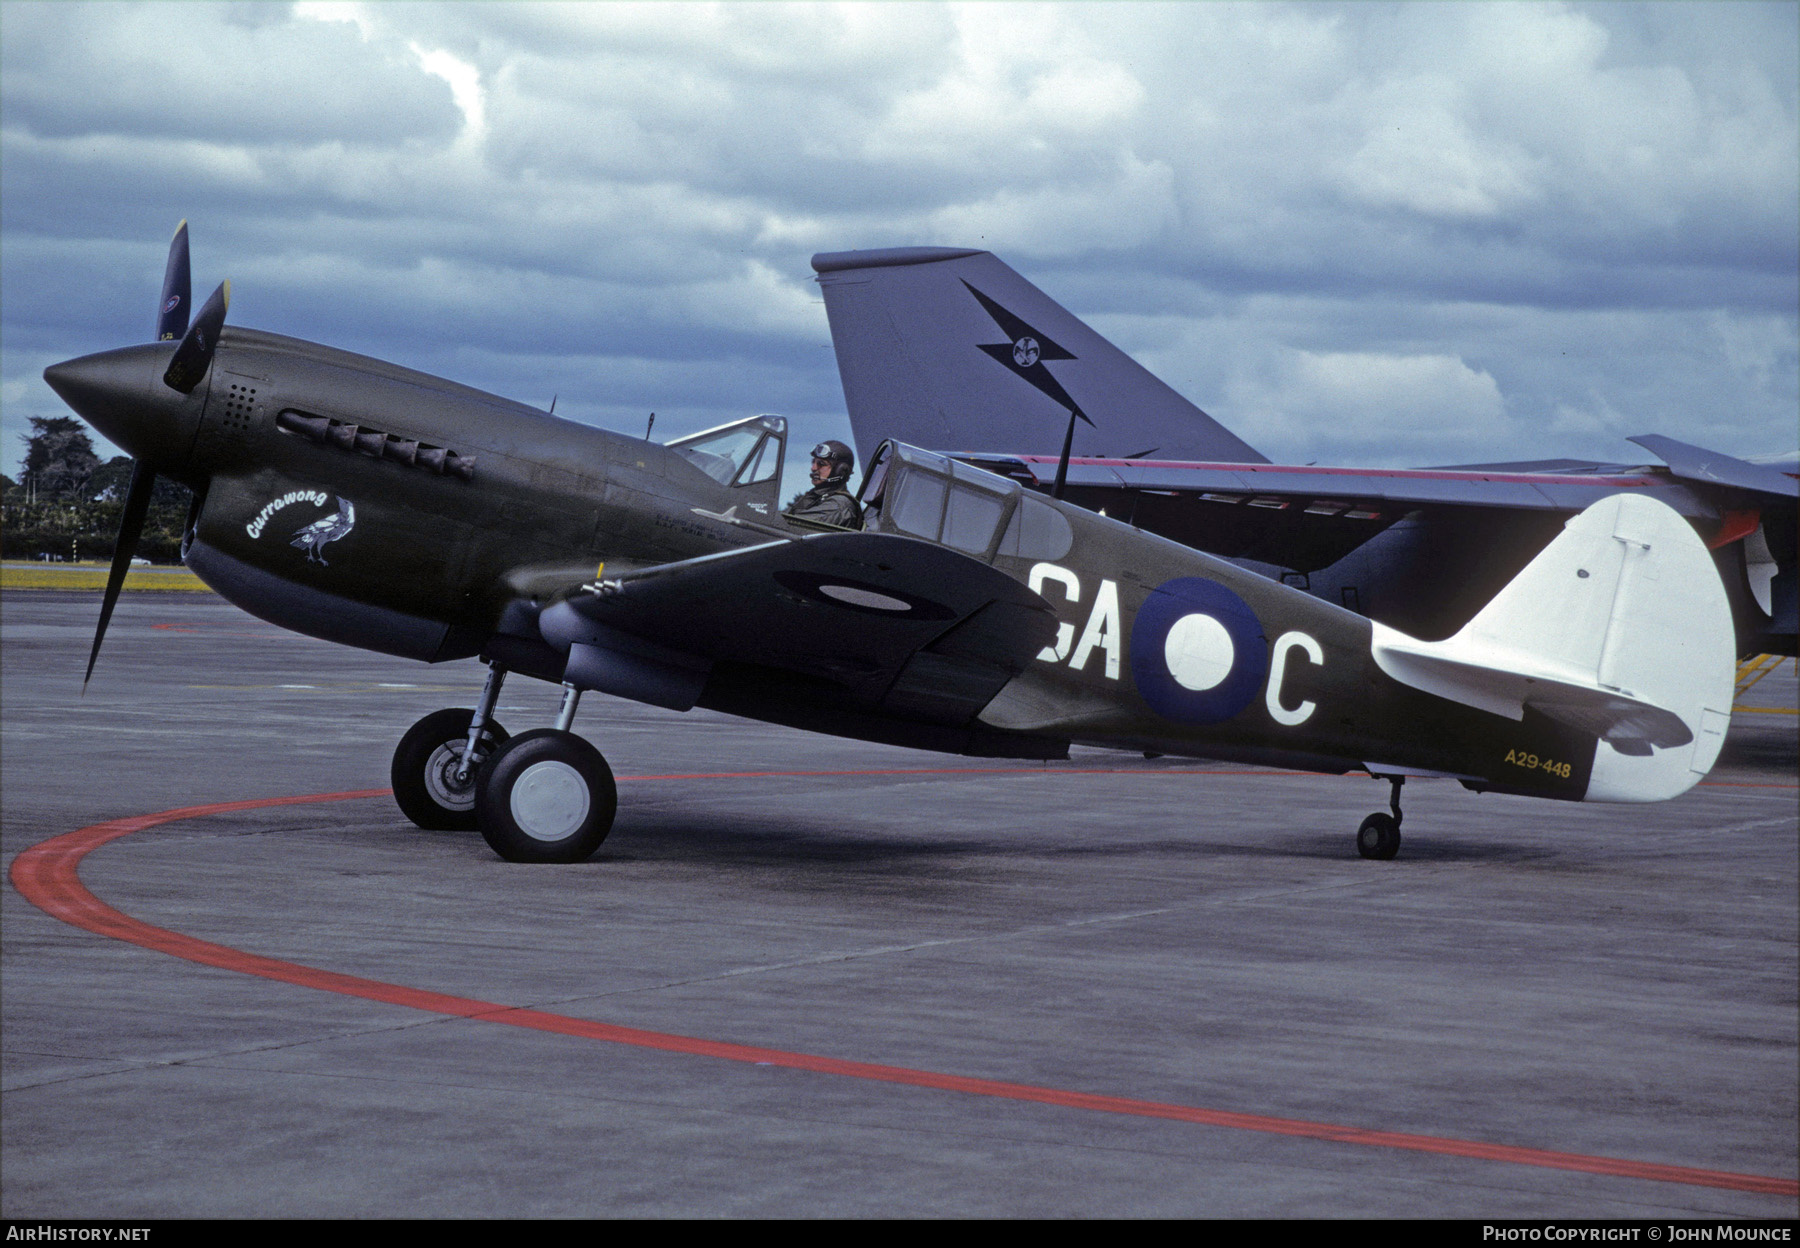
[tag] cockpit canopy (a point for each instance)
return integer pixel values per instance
(744, 452)
(925, 495)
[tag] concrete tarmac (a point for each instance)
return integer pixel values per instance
(1612, 986)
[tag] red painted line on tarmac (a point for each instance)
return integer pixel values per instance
(214, 630)
(47, 875)
(981, 771)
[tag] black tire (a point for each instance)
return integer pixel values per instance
(545, 796)
(424, 767)
(1378, 837)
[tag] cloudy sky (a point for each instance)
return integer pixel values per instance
(1363, 234)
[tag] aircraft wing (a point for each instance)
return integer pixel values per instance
(1695, 463)
(892, 624)
(1307, 517)
(1424, 548)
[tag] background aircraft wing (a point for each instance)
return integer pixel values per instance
(1695, 463)
(888, 623)
(1308, 517)
(1424, 548)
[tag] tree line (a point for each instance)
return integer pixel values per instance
(68, 502)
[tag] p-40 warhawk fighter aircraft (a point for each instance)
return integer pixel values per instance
(950, 348)
(368, 504)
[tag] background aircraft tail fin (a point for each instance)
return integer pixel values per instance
(1620, 627)
(948, 348)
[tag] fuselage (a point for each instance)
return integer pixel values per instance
(379, 507)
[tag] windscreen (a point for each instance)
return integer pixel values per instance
(744, 453)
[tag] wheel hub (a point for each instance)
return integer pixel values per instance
(550, 801)
(441, 779)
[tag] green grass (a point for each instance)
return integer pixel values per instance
(79, 576)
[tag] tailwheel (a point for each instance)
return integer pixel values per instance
(1379, 837)
(432, 786)
(545, 796)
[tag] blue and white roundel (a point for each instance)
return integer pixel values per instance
(1198, 654)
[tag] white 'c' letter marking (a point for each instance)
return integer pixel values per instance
(1278, 669)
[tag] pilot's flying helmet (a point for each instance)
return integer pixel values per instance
(841, 458)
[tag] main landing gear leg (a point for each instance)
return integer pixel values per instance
(484, 711)
(546, 795)
(433, 770)
(1379, 835)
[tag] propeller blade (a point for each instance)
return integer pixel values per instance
(194, 356)
(131, 526)
(172, 312)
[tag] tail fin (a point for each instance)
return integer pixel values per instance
(1620, 627)
(948, 348)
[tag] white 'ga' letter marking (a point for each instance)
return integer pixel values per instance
(1065, 633)
(1278, 669)
(1102, 630)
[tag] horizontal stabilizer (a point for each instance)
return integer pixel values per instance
(1619, 628)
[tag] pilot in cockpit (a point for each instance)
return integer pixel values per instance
(829, 501)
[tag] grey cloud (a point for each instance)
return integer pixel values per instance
(132, 69)
(1576, 382)
(1283, 209)
(1425, 130)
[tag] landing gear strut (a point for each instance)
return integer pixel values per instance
(434, 766)
(546, 795)
(1379, 835)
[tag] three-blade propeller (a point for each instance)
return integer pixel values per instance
(187, 369)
